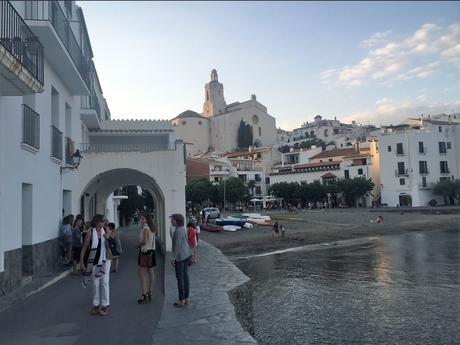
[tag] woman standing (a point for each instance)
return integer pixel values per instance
(146, 259)
(76, 243)
(181, 256)
(98, 266)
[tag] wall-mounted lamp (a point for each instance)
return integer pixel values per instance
(76, 159)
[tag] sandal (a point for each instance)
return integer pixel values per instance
(94, 310)
(103, 311)
(144, 299)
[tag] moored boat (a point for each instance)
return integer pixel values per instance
(211, 227)
(230, 221)
(231, 228)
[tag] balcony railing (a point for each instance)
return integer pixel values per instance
(19, 40)
(69, 150)
(30, 127)
(91, 102)
(404, 172)
(428, 185)
(51, 11)
(56, 143)
(423, 172)
(126, 147)
(445, 171)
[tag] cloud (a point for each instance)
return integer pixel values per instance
(389, 112)
(376, 38)
(419, 55)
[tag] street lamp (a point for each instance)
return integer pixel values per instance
(225, 202)
(76, 159)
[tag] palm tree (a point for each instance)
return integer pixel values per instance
(251, 186)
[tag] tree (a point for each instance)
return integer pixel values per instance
(449, 189)
(235, 190)
(128, 206)
(245, 136)
(200, 190)
(289, 191)
(251, 186)
(353, 189)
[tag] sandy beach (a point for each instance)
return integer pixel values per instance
(313, 227)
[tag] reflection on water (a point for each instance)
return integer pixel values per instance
(396, 290)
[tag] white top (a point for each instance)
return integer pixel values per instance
(150, 245)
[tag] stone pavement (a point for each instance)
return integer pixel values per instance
(59, 314)
(210, 318)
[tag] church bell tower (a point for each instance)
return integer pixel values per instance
(214, 103)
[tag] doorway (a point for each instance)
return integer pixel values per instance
(26, 217)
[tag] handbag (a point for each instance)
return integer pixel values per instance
(146, 258)
(111, 248)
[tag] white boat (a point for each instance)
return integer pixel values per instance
(256, 216)
(231, 228)
(248, 225)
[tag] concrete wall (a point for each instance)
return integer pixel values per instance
(194, 131)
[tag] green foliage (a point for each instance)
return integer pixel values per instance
(449, 189)
(200, 190)
(251, 186)
(289, 191)
(235, 190)
(134, 202)
(245, 136)
(354, 188)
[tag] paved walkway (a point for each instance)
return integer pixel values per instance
(210, 318)
(59, 314)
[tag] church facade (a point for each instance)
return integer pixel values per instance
(216, 128)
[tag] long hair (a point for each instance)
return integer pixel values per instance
(149, 221)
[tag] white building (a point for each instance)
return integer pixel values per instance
(414, 156)
(217, 127)
(51, 103)
(331, 165)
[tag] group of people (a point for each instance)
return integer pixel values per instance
(95, 256)
(277, 228)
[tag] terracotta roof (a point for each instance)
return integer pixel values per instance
(328, 175)
(188, 113)
(316, 165)
(245, 153)
(359, 154)
(334, 153)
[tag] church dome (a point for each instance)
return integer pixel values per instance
(188, 113)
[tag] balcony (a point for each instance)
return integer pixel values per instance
(90, 111)
(49, 23)
(30, 127)
(126, 147)
(399, 173)
(21, 55)
(56, 143)
(445, 171)
(428, 185)
(423, 172)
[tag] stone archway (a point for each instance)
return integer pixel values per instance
(102, 185)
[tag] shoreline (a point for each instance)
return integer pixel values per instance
(330, 226)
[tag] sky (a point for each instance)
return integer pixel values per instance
(373, 62)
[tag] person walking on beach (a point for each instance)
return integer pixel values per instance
(97, 270)
(181, 256)
(146, 259)
(276, 231)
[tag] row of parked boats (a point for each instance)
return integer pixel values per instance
(237, 222)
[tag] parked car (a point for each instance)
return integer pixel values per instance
(212, 212)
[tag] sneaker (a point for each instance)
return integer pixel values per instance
(103, 311)
(94, 310)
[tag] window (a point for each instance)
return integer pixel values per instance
(442, 147)
(184, 123)
(363, 161)
(255, 119)
(421, 148)
(260, 131)
(360, 171)
(326, 134)
(444, 167)
(423, 181)
(440, 129)
(216, 179)
(399, 149)
(423, 168)
(330, 159)
(401, 168)
(258, 190)
(267, 180)
(402, 181)
(346, 174)
(449, 145)
(199, 122)
(389, 148)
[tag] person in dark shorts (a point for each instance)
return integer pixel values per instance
(276, 231)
